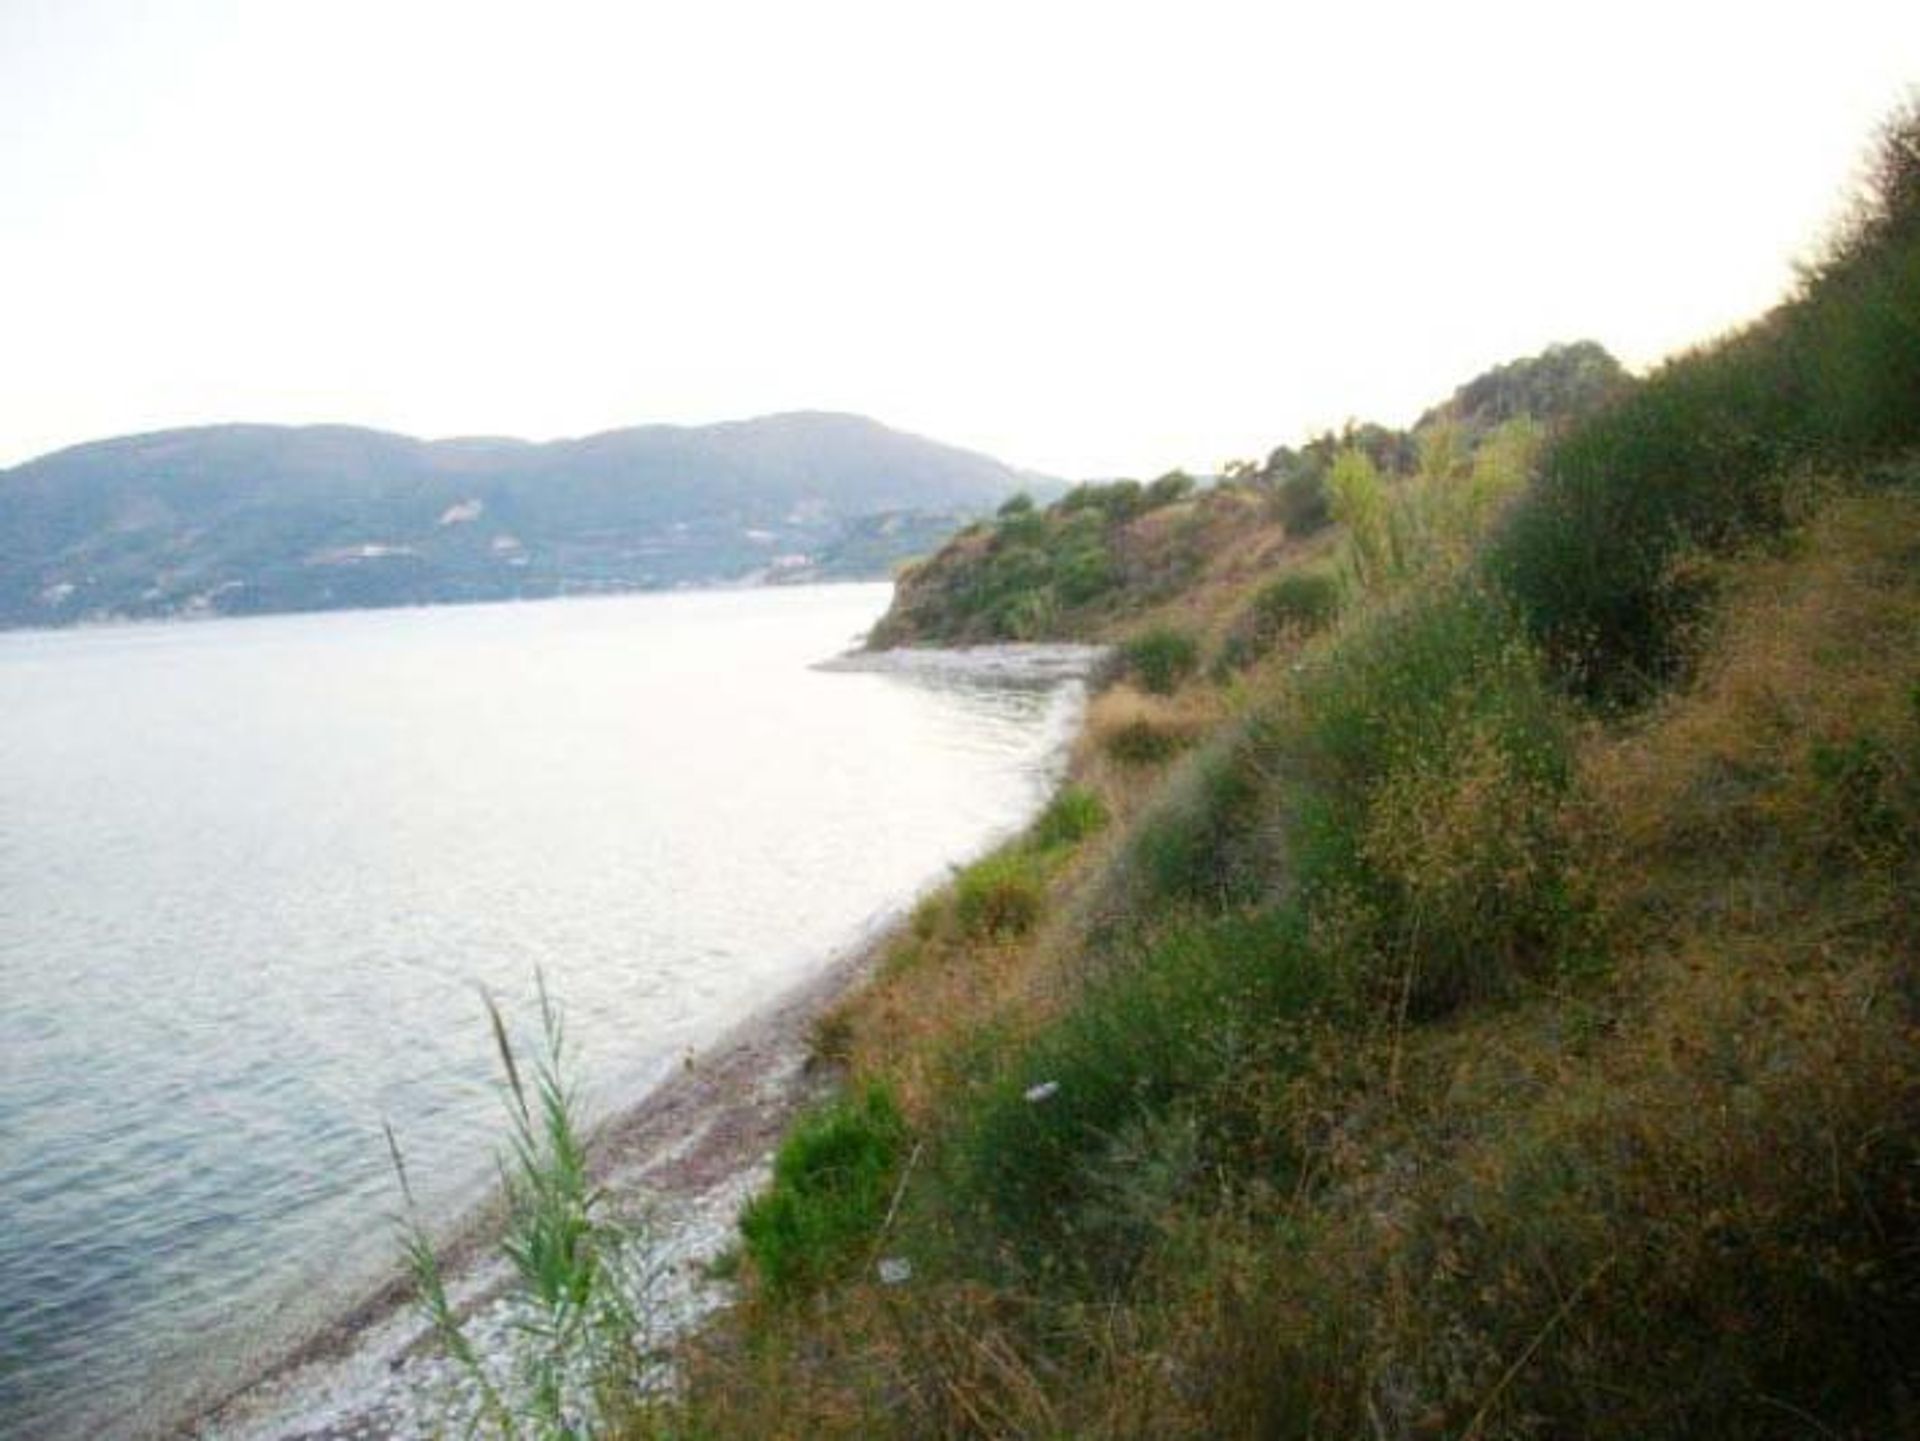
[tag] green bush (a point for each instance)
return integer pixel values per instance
(832, 1179)
(1175, 485)
(1297, 603)
(1200, 844)
(1000, 896)
(1301, 502)
(1694, 460)
(1140, 742)
(1427, 760)
(1079, 1150)
(1161, 658)
(1070, 817)
(1304, 599)
(1708, 452)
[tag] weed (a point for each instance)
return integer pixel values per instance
(1294, 605)
(1201, 843)
(831, 1181)
(1088, 1138)
(581, 1275)
(1860, 774)
(1161, 659)
(1071, 816)
(830, 1039)
(1427, 761)
(1000, 896)
(1143, 742)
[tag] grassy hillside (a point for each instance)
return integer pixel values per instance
(1108, 560)
(1483, 1004)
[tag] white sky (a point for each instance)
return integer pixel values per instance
(1093, 239)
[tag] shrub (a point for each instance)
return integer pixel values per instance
(1304, 599)
(1173, 486)
(999, 897)
(1693, 460)
(1707, 452)
(1143, 742)
(1427, 761)
(1070, 817)
(831, 1182)
(1161, 658)
(1081, 1147)
(1200, 844)
(1301, 502)
(1297, 603)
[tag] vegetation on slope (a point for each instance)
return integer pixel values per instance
(1496, 1017)
(1101, 561)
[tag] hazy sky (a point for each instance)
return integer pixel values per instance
(1089, 238)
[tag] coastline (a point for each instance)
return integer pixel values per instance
(696, 1145)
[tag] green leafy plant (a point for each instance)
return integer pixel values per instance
(581, 1274)
(999, 896)
(1070, 817)
(1161, 658)
(1296, 604)
(831, 1181)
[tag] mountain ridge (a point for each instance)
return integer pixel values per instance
(254, 517)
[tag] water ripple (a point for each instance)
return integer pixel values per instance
(253, 873)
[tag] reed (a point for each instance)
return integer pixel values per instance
(582, 1273)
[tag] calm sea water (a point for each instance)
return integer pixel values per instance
(253, 873)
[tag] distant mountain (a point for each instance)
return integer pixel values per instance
(243, 519)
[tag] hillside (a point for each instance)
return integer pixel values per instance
(1103, 558)
(1478, 999)
(240, 519)
(1467, 985)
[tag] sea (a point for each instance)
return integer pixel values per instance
(258, 876)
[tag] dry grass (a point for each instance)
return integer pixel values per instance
(1685, 1201)
(939, 988)
(1816, 648)
(1244, 547)
(1681, 1198)
(1123, 713)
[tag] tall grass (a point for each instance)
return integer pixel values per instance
(1079, 1150)
(581, 1274)
(1430, 524)
(1425, 763)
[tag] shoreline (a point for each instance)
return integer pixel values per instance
(695, 1145)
